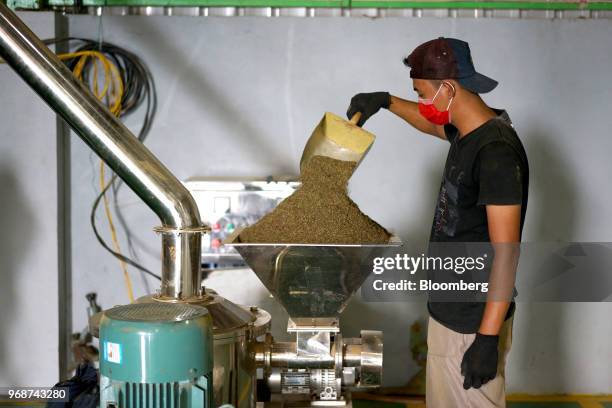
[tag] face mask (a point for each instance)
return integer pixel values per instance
(431, 113)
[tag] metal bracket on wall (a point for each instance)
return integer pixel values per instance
(64, 240)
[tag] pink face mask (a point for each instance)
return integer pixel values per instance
(431, 113)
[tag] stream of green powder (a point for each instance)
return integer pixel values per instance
(319, 212)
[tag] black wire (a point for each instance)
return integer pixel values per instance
(139, 87)
(92, 219)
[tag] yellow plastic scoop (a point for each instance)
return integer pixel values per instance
(339, 139)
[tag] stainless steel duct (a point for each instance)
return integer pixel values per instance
(181, 226)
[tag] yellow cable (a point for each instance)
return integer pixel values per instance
(95, 76)
(117, 92)
(109, 216)
(113, 85)
(113, 81)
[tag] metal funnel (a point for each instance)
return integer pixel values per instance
(311, 280)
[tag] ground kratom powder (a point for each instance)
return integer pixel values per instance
(319, 212)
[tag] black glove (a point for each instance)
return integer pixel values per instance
(479, 364)
(368, 104)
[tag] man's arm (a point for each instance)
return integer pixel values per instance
(500, 182)
(479, 363)
(409, 111)
(504, 231)
(371, 102)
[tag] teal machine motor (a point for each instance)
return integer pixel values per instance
(156, 355)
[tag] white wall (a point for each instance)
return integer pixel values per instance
(239, 97)
(28, 216)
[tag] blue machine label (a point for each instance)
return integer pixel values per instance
(112, 352)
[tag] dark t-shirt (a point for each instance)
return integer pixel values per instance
(486, 166)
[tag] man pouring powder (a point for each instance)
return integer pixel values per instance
(482, 198)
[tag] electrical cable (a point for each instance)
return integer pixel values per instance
(137, 87)
(111, 94)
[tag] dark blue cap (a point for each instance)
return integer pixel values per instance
(448, 58)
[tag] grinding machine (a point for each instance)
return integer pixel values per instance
(312, 282)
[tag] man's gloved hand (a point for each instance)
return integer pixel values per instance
(368, 104)
(479, 364)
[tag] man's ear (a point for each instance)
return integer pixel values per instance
(451, 85)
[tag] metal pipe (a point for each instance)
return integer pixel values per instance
(115, 144)
(491, 5)
(285, 355)
(99, 6)
(352, 355)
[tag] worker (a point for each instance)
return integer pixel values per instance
(482, 198)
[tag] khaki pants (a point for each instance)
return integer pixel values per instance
(444, 380)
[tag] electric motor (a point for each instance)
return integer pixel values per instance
(156, 354)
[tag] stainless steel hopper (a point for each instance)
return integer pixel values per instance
(311, 280)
